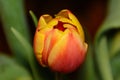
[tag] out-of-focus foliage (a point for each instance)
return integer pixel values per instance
(10, 70)
(38, 72)
(13, 17)
(107, 47)
(107, 43)
(12, 14)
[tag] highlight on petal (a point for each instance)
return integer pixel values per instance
(39, 45)
(50, 41)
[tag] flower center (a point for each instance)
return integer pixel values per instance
(60, 26)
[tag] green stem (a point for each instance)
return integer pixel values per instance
(34, 18)
(103, 60)
(57, 76)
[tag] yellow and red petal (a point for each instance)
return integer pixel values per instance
(59, 42)
(67, 54)
(50, 40)
(44, 20)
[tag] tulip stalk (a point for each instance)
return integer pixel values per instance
(57, 76)
(34, 18)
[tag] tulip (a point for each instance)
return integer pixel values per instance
(59, 42)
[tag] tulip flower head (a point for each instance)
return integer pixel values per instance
(59, 42)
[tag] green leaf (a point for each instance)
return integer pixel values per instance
(28, 51)
(38, 72)
(115, 63)
(11, 70)
(115, 46)
(103, 61)
(12, 14)
(34, 18)
(107, 42)
(89, 66)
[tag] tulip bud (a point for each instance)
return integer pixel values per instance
(59, 42)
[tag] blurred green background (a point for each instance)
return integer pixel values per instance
(100, 20)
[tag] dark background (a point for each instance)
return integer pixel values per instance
(90, 13)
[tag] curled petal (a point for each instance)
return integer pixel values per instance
(67, 14)
(43, 21)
